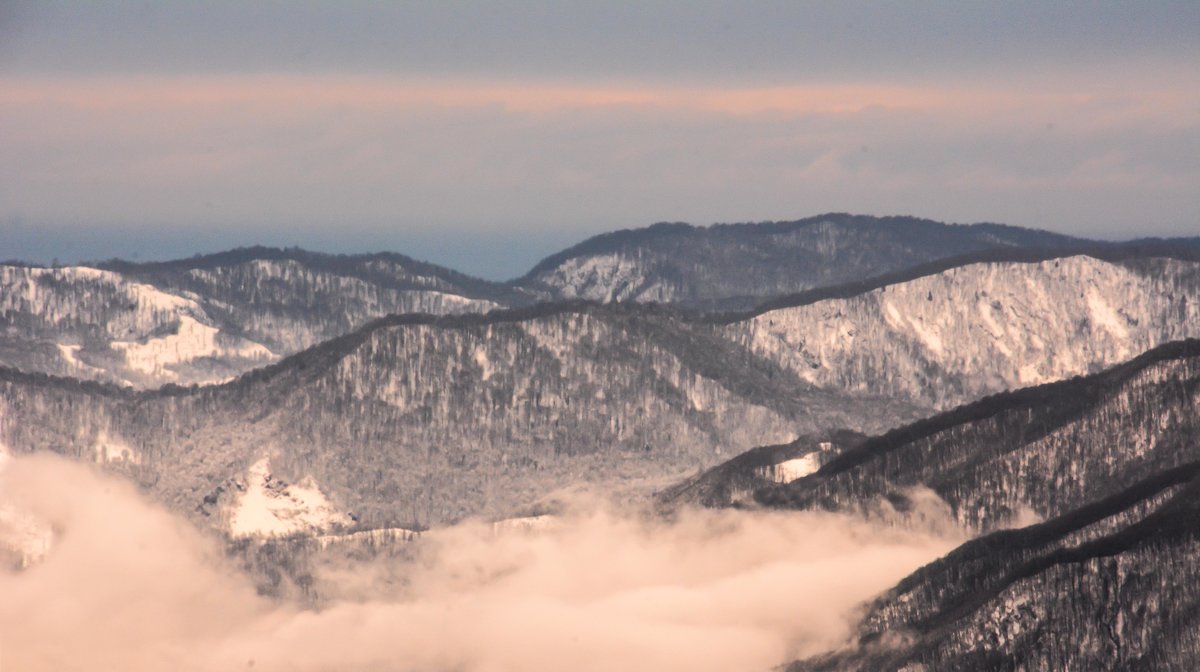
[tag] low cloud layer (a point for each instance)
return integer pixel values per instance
(130, 586)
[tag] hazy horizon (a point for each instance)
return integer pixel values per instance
(475, 257)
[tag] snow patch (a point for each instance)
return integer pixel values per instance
(152, 298)
(108, 450)
(484, 363)
(1101, 314)
(795, 468)
(70, 353)
(605, 277)
(790, 470)
(191, 340)
(893, 315)
(1029, 374)
(268, 507)
(931, 340)
(381, 536)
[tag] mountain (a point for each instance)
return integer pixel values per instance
(737, 265)
(420, 420)
(1110, 461)
(1044, 450)
(1107, 586)
(210, 318)
(1035, 452)
(944, 337)
(734, 482)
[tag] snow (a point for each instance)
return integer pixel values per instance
(992, 326)
(1029, 374)
(381, 536)
(108, 449)
(151, 298)
(1103, 315)
(606, 277)
(192, 340)
(70, 353)
(790, 470)
(928, 337)
(484, 363)
(893, 315)
(795, 468)
(77, 304)
(268, 507)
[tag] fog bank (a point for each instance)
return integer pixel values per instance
(127, 585)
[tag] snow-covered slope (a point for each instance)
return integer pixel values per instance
(267, 506)
(91, 323)
(291, 306)
(421, 420)
(969, 331)
(205, 320)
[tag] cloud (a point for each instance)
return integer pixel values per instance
(129, 586)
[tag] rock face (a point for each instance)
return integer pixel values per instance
(209, 319)
(737, 265)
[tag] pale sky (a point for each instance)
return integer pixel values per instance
(483, 135)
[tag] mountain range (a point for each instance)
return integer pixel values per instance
(417, 420)
(1039, 391)
(210, 318)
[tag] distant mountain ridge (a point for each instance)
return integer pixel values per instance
(736, 265)
(389, 269)
(211, 317)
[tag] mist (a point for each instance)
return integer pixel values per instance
(128, 585)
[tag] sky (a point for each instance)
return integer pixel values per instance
(484, 136)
